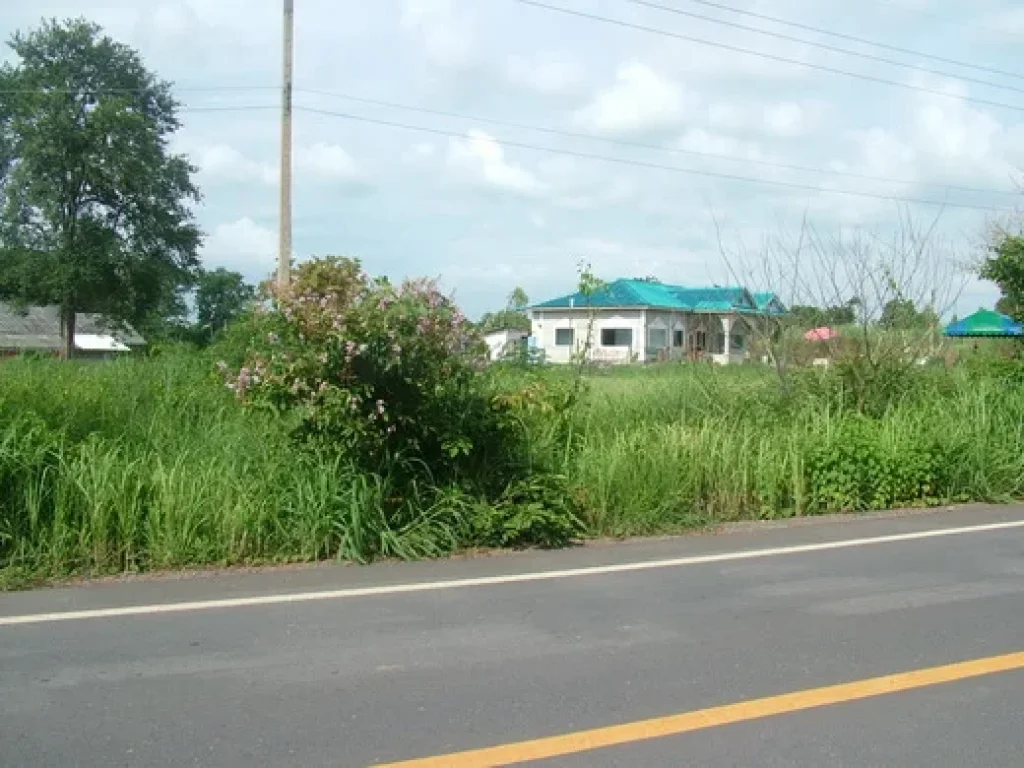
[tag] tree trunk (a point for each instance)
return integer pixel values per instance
(68, 330)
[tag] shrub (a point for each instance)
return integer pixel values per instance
(858, 467)
(538, 511)
(389, 377)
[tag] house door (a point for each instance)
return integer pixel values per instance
(697, 342)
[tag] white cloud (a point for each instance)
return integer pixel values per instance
(939, 140)
(1007, 23)
(962, 140)
(482, 158)
(446, 36)
(640, 101)
(424, 149)
(880, 153)
(784, 119)
(549, 74)
(327, 161)
(242, 245)
(713, 143)
(221, 163)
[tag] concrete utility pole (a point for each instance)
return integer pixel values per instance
(284, 255)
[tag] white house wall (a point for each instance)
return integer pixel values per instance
(546, 322)
(500, 342)
(670, 322)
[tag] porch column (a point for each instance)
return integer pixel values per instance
(727, 326)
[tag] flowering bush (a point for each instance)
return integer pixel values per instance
(388, 375)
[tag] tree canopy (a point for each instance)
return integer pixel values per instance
(221, 297)
(903, 314)
(512, 317)
(807, 317)
(96, 211)
(1005, 267)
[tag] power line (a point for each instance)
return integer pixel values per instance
(134, 91)
(944, 18)
(229, 108)
(657, 166)
(761, 54)
(822, 46)
(642, 145)
(855, 39)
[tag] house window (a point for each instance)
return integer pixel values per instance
(617, 337)
(563, 337)
(700, 341)
(677, 338)
(657, 338)
(737, 342)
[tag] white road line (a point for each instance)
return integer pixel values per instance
(486, 581)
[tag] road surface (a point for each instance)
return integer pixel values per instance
(876, 642)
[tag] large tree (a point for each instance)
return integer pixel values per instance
(221, 296)
(96, 210)
(902, 314)
(1005, 267)
(513, 316)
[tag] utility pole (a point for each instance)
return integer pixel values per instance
(284, 255)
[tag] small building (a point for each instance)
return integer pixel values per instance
(647, 321)
(504, 342)
(39, 329)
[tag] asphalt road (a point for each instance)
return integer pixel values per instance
(778, 628)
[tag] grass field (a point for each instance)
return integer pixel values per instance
(151, 464)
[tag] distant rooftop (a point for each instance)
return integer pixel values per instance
(626, 293)
(39, 328)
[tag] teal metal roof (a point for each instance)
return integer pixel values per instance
(642, 293)
(985, 322)
(769, 302)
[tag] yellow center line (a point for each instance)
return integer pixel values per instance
(686, 722)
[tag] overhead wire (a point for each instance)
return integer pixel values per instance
(769, 56)
(822, 46)
(643, 145)
(649, 165)
(851, 38)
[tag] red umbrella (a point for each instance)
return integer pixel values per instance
(821, 334)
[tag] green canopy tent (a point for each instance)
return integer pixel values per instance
(986, 324)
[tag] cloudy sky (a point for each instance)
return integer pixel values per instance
(481, 198)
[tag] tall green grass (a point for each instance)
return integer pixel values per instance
(682, 446)
(151, 464)
(145, 464)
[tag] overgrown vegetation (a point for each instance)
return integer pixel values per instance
(145, 464)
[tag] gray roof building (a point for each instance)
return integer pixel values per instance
(39, 329)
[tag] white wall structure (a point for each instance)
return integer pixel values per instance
(617, 336)
(644, 320)
(500, 343)
(640, 335)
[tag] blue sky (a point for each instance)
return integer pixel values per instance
(485, 216)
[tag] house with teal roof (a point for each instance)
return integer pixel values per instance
(645, 321)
